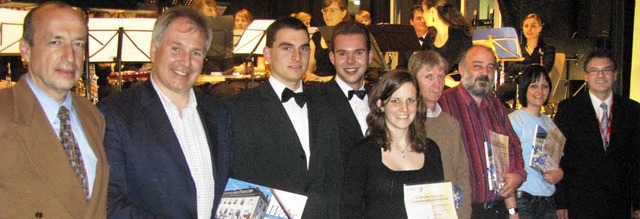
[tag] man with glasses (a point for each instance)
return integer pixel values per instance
(600, 161)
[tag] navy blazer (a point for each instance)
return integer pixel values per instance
(268, 152)
(150, 176)
(597, 182)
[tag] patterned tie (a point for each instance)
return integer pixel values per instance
(71, 149)
(604, 120)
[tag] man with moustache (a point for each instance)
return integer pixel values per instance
(601, 160)
(478, 114)
(347, 92)
(428, 67)
(169, 148)
(52, 162)
(286, 136)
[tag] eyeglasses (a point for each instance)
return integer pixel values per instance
(604, 71)
(330, 10)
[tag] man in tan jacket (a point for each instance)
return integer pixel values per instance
(52, 162)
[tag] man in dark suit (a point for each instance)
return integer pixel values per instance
(169, 148)
(347, 92)
(284, 138)
(601, 158)
(52, 162)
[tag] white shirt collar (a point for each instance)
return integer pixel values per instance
(596, 101)
(278, 87)
(435, 113)
(344, 87)
(168, 104)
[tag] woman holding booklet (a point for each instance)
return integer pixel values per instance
(534, 196)
(395, 152)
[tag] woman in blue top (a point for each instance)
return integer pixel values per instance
(534, 196)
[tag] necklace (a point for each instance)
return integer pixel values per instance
(403, 150)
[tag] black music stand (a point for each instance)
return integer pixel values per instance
(253, 41)
(221, 49)
(392, 37)
(504, 43)
(102, 47)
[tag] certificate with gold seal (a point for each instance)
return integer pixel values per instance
(429, 201)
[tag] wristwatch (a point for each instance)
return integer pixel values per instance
(513, 211)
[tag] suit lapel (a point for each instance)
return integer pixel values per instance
(208, 119)
(341, 105)
(94, 132)
(163, 131)
(277, 116)
(45, 151)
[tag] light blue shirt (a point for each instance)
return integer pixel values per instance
(51, 108)
(524, 124)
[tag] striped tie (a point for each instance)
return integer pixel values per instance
(604, 120)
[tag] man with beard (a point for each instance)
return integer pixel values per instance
(478, 114)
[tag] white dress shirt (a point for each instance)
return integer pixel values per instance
(596, 104)
(195, 148)
(297, 115)
(359, 107)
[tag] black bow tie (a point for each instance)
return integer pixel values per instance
(359, 93)
(421, 39)
(301, 98)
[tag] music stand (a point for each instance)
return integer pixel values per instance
(392, 37)
(504, 43)
(11, 31)
(221, 48)
(103, 43)
(253, 41)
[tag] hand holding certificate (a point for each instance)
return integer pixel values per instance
(432, 201)
(497, 159)
(547, 148)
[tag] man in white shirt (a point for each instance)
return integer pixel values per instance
(601, 155)
(347, 92)
(286, 135)
(169, 148)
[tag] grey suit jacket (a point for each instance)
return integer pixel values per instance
(35, 175)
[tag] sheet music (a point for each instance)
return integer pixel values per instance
(136, 43)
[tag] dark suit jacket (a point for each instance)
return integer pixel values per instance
(35, 175)
(597, 183)
(268, 152)
(150, 175)
(350, 132)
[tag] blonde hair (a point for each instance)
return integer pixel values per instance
(303, 16)
(363, 14)
(199, 5)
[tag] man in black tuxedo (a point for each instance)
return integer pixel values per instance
(169, 148)
(347, 92)
(601, 161)
(287, 139)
